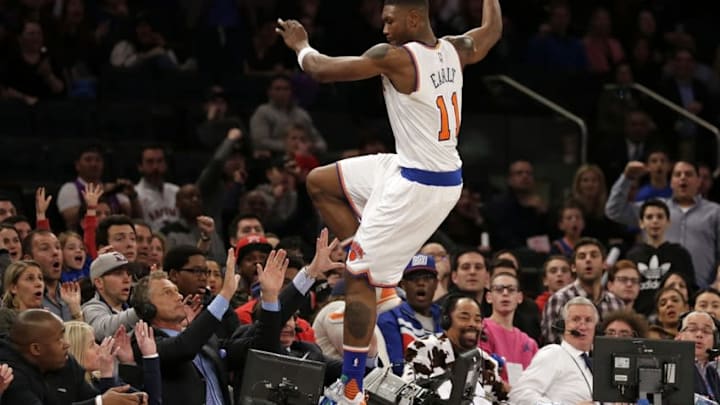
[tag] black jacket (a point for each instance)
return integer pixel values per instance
(713, 382)
(31, 387)
(182, 383)
(655, 265)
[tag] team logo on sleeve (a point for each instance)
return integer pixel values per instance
(356, 252)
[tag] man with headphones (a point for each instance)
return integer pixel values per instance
(433, 356)
(193, 363)
(562, 373)
(699, 327)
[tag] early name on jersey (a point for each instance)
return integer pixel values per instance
(444, 75)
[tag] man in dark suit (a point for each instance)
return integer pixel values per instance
(194, 363)
(635, 143)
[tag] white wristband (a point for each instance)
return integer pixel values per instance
(98, 400)
(303, 53)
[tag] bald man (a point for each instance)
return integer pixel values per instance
(44, 372)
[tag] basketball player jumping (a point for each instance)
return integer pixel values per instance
(392, 203)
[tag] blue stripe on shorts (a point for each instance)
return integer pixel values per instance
(428, 178)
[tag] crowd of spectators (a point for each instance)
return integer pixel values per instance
(134, 273)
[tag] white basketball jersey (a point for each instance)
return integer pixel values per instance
(426, 122)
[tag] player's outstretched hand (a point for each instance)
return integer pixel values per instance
(293, 33)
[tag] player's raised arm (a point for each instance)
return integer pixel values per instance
(380, 59)
(476, 43)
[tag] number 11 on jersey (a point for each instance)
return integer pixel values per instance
(444, 133)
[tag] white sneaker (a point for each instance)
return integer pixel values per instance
(335, 395)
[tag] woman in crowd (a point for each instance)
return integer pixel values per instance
(708, 300)
(670, 304)
(99, 360)
(23, 285)
(157, 250)
(590, 191)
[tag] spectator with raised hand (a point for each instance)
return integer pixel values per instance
(99, 360)
(193, 227)
(70, 293)
(225, 172)
(41, 206)
(91, 194)
(89, 166)
(695, 221)
(152, 378)
(217, 120)
(194, 370)
(89, 224)
(294, 294)
(187, 268)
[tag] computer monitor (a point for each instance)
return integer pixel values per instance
(623, 368)
(281, 379)
(466, 373)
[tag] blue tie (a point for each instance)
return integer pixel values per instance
(588, 361)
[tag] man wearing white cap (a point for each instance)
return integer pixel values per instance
(109, 309)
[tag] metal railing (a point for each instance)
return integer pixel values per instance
(677, 109)
(549, 104)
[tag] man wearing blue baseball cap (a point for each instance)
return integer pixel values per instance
(417, 316)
